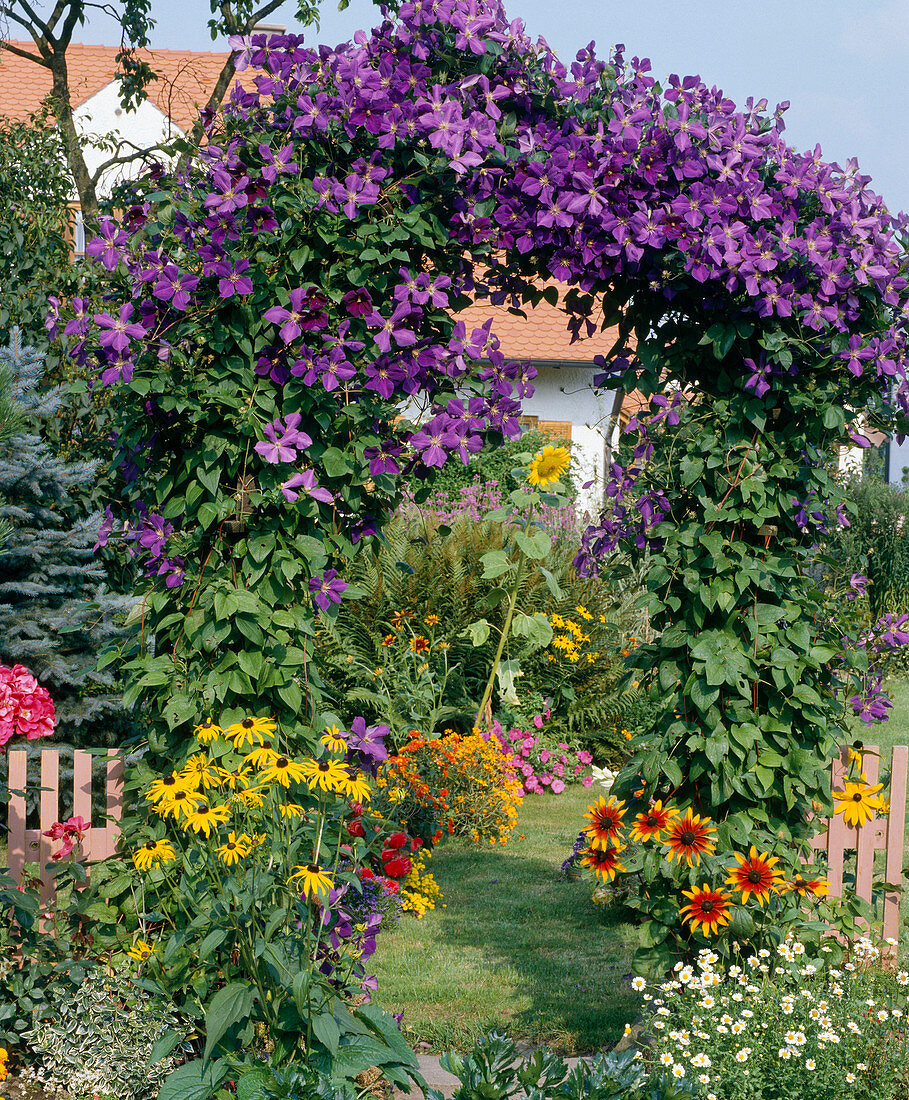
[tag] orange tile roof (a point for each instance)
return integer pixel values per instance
(543, 336)
(185, 81)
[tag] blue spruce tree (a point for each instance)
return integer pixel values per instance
(57, 612)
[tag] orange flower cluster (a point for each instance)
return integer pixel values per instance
(687, 836)
(467, 782)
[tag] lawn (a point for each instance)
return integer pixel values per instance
(518, 947)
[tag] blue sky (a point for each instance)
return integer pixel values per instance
(842, 64)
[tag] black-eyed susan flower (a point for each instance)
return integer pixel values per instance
(234, 849)
(141, 950)
(604, 862)
(651, 824)
(250, 730)
(261, 757)
(857, 802)
(181, 803)
(432, 620)
(389, 640)
(234, 781)
(204, 818)
(708, 908)
(153, 852)
(548, 466)
(418, 644)
(161, 789)
(199, 771)
(327, 775)
(605, 817)
(207, 731)
(688, 837)
(755, 874)
(290, 811)
(334, 740)
(314, 881)
(284, 771)
(250, 799)
(356, 786)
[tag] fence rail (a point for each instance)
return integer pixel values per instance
(31, 845)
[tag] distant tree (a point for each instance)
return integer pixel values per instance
(52, 35)
(56, 611)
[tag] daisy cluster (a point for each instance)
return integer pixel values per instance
(780, 1022)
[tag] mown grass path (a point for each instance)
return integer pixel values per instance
(517, 947)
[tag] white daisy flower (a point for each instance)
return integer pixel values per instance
(810, 1063)
(638, 983)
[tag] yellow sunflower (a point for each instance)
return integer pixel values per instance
(357, 787)
(313, 880)
(334, 740)
(283, 771)
(857, 802)
(235, 848)
(141, 951)
(181, 803)
(250, 730)
(153, 852)
(199, 771)
(161, 789)
(207, 731)
(327, 775)
(262, 757)
(204, 818)
(548, 466)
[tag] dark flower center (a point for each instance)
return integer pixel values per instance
(247, 723)
(857, 797)
(653, 821)
(688, 838)
(281, 762)
(230, 845)
(323, 766)
(180, 794)
(169, 780)
(313, 869)
(151, 845)
(707, 906)
(754, 876)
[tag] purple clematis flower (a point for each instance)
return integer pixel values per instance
(283, 440)
(306, 480)
(327, 589)
(231, 278)
(306, 313)
(118, 332)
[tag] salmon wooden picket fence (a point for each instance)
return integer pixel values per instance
(886, 833)
(836, 839)
(30, 845)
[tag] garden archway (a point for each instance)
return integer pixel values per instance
(288, 292)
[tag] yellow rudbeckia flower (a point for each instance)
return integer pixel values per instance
(153, 852)
(857, 802)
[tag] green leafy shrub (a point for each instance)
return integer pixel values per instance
(495, 1068)
(98, 1038)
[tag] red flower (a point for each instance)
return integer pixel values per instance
(398, 868)
(396, 840)
(389, 886)
(366, 874)
(415, 844)
(355, 828)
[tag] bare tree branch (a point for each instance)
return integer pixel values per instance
(23, 53)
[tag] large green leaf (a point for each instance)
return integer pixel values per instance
(229, 1006)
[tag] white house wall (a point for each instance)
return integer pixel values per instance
(565, 392)
(102, 116)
